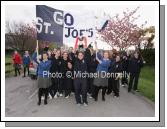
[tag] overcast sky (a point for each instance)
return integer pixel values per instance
(27, 13)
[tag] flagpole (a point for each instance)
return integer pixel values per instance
(37, 49)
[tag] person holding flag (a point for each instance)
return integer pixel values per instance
(43, 79)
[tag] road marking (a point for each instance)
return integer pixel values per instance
(33, 94)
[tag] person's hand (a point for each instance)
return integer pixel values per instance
(36, 49)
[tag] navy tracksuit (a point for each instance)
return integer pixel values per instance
(110, 80)
(55, 67)
(80, 84)
(63, 70)
(117, 68)
(125, 62)
(134, 68)
(91, 68)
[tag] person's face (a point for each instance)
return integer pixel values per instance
(80, 56)
(65, 55)
(117, 58)
(136, 55)
(26, 52)
(49, 53)
(45, 56)
(15, 52)
(54, 51)
(58, 53)
(106, 55)
(69, 65)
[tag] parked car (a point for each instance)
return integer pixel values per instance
(33, 70)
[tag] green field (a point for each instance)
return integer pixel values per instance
(9, 70)
(146, 84)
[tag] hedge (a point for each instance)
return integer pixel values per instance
(149, 56)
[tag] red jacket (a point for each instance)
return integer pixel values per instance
(17, 59)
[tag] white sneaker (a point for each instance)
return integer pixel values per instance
(50, 97)
(61, 95)
(78, 104)
(42, 98)
(85, 104)
(90, 97)
(55, 96)
(67, 97)
(123, 85)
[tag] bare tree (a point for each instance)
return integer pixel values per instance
(20, 36)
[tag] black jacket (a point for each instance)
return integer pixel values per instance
(117, 67)
(72, 57)
(64, 66)
(111, 67)
(92, 64)
(135, 65)
(125, 63)
(55, 65)
(80, 65)
(87, 56)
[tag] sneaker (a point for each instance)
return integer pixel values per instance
(50, 97)
(72, 93)
(137, 90)
(55, 96)
(42, 98)
(90, 97)
(78, 104)
(67, 97)
(60, 95)
(126, 85)
(123, 85)
(85, 104)
(116, 96)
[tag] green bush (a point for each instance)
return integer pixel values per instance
(149, 56)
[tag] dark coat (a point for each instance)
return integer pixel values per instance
(125, 63)
(92, 65)
(55, 65)
(87, 56)
(110, 69)
(72, 57)
(135, 65)
(80, 65)
(117, 67)
(64, 66)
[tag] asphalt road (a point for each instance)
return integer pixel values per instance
(21, 101)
